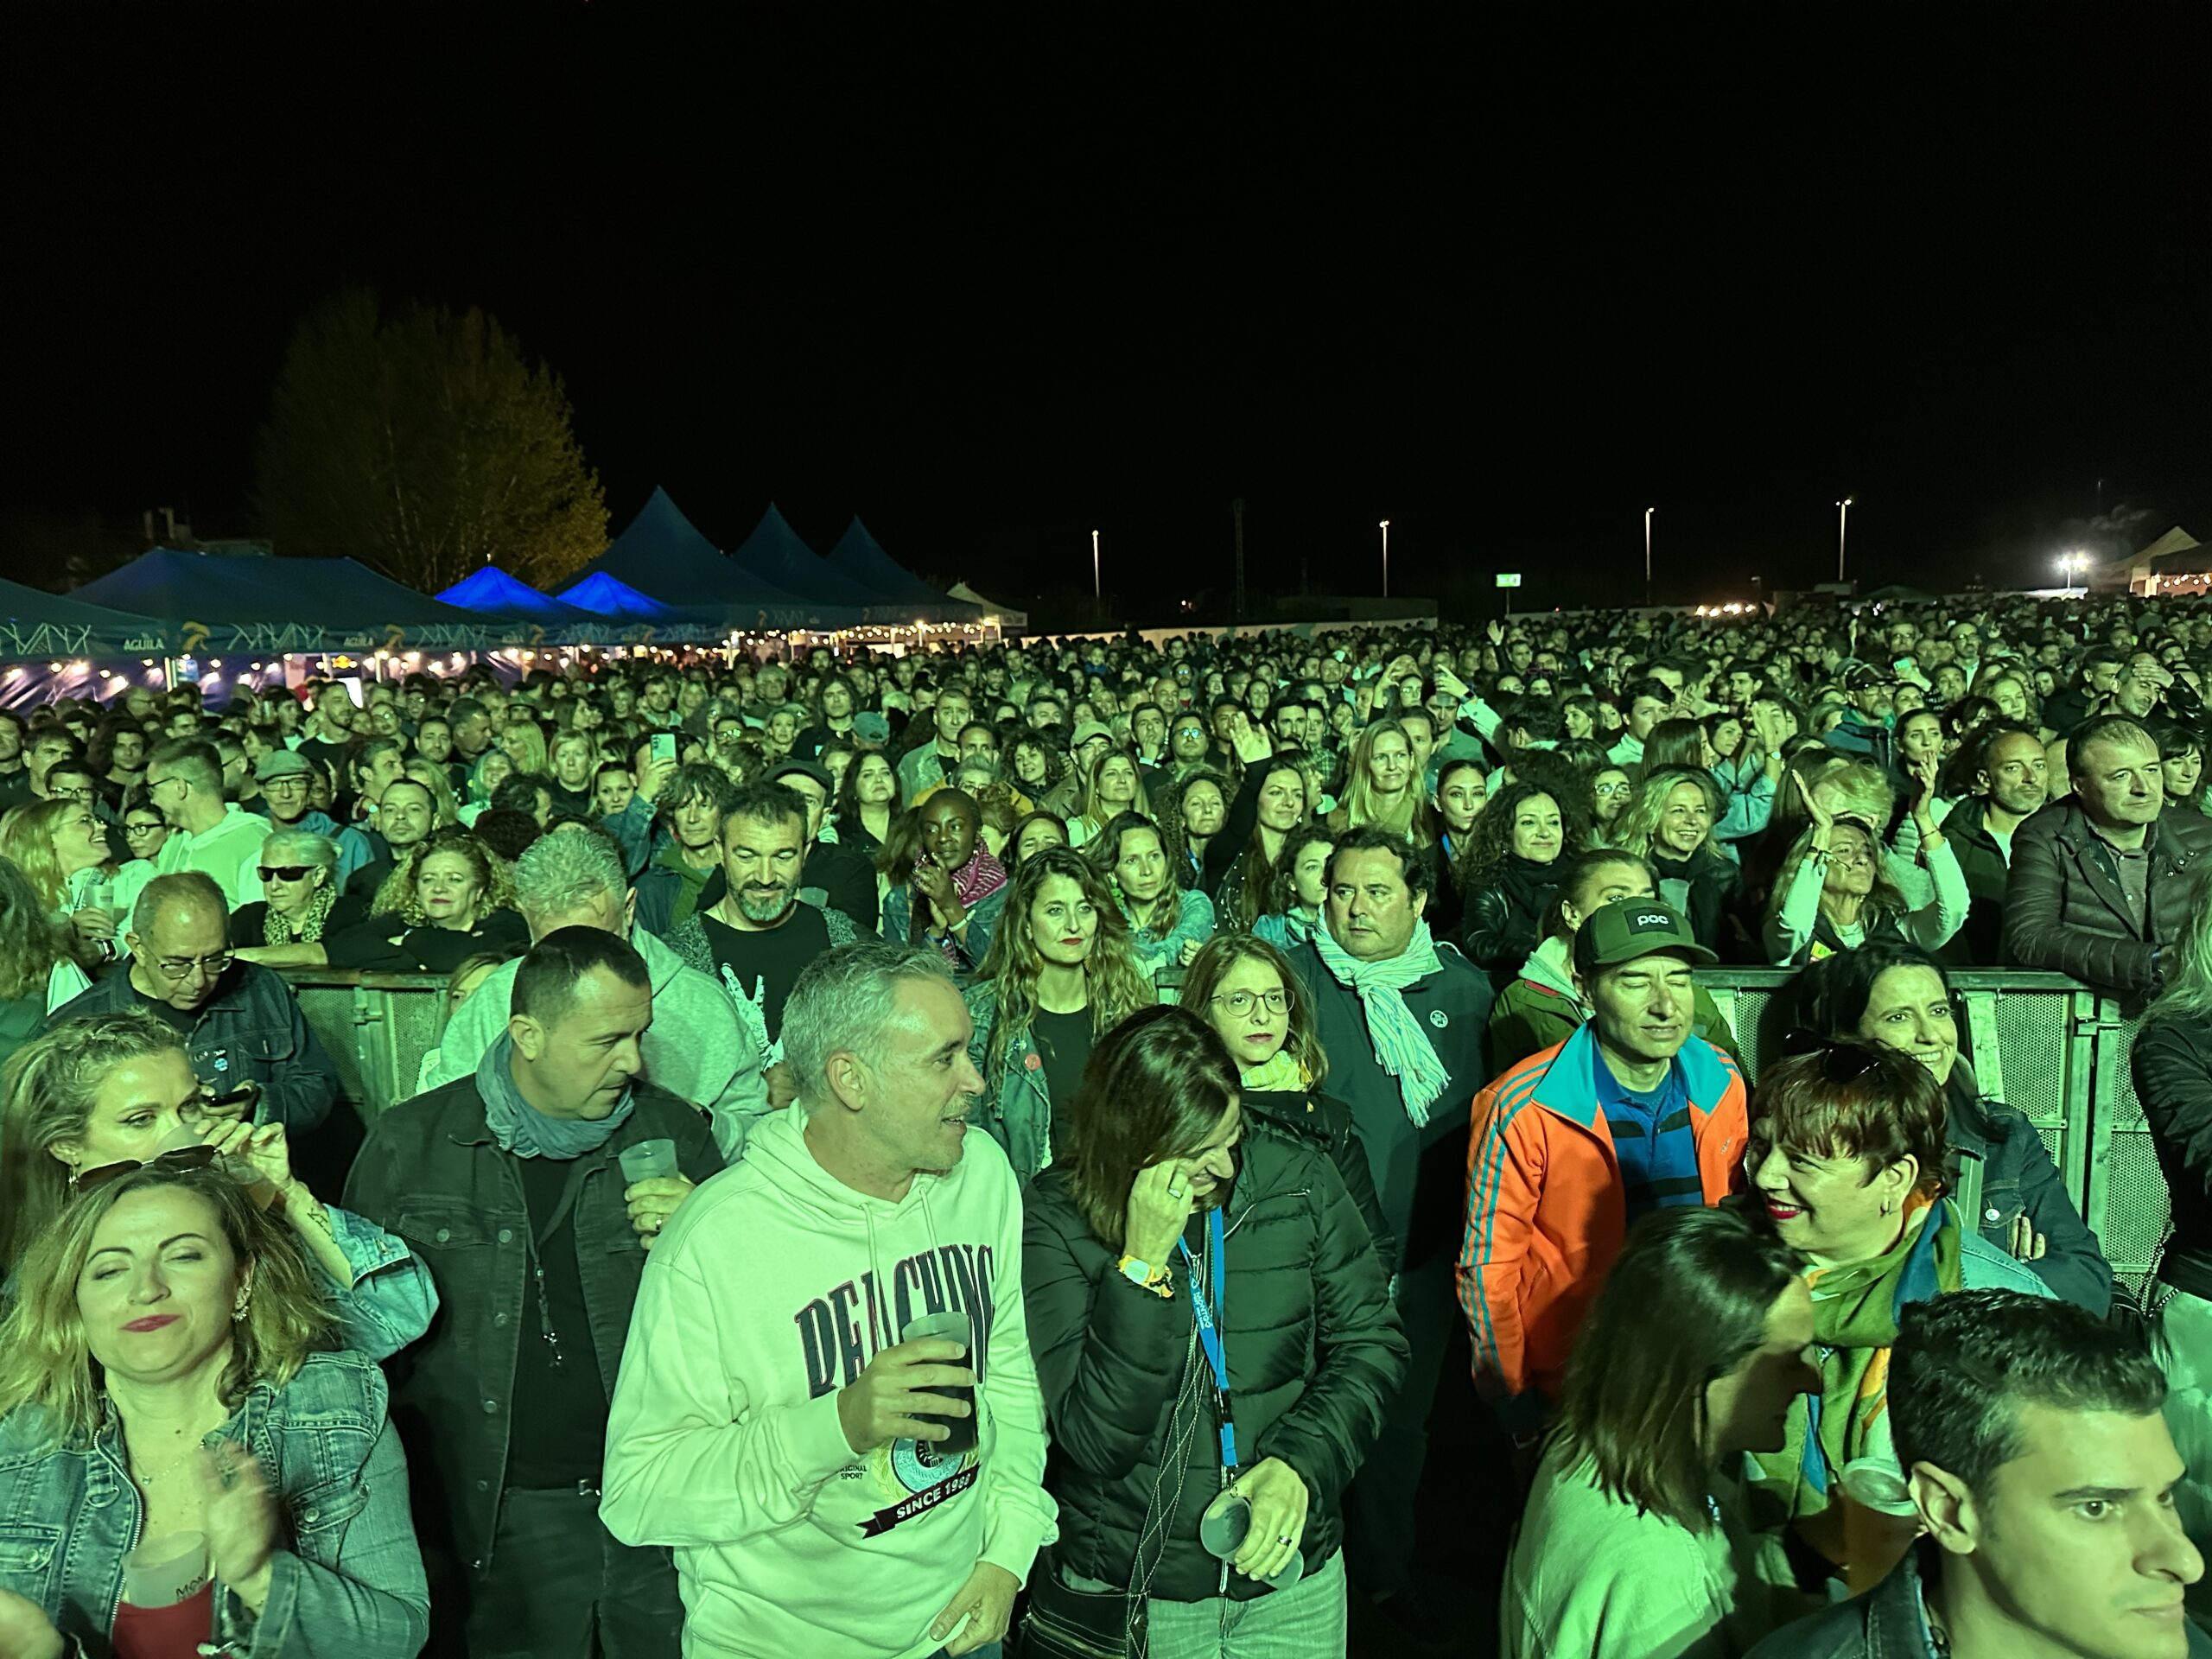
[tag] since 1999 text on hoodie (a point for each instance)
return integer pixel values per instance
(771, 1289)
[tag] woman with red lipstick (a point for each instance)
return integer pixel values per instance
(451, 898)
(1847, 1157)
(162, 1374)
(1060, 973)
(113, 1090)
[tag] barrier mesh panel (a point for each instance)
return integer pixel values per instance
(2128, 1207)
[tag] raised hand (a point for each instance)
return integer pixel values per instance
(1159, 1207)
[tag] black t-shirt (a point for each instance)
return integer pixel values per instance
(558, 1430)
(329, 754)
(1064, 1044)
(768, 961)
(425, 949)
(182, 1018)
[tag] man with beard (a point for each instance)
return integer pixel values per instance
(2011, 781)
(760, 934)
(406, 815)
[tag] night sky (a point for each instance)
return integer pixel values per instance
(1505, 280)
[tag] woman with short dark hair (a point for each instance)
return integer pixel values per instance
(1898, 996)
(1691, 1356)
(1216, 1347)
(1846, 1156)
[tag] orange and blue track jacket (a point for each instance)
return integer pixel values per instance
(1546, 1207)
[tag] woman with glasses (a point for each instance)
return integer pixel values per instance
(1634, 1543)
(1217, 1348)
(301, 910)
(162, 1373)
(95, 1095)
(1847, 1157)
(1245, 989)
(1837, 889)
(62, 849)
(449, 899)
(144, 829)
(1896, 995)
(1611, 791)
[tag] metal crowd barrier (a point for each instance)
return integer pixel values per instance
(2051, 1049)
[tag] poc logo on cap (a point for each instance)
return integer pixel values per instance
(1651, 919)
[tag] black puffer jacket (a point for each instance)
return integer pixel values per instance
(1325, 1123)
(1314, 1353)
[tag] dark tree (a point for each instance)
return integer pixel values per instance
(423, 443)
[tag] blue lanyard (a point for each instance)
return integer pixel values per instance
(1210, 1320)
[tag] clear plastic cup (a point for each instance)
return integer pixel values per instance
(952, 1325)
(648, 1160)
(1222, 1531)
(164, 1571)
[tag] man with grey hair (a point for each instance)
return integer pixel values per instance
(697, 1050)
(779, 1421)
(240, 1022)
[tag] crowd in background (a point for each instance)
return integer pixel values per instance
(1268, 1047)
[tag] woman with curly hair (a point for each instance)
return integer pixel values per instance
(449, 899)
(37, 974)
(1194, 812)
(1510, 873)
(1670, 822)
(1060, 973)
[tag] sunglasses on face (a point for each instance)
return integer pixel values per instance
(285, 872)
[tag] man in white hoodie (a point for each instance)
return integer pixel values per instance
(769, 1424)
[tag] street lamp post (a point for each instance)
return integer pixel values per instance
(1386, 558)
(1842, 524)
(1096, 592)
(1648, 511)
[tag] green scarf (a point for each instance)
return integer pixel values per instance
(1281, 1075)
(1855, 1309)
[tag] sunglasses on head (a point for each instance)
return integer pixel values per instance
(1841, 1062)
(184, 1158)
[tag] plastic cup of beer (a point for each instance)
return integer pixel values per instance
(648, 1160)
(164, 1571)
(952, 1325)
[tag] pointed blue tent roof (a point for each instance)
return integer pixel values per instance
(861, 558)
(493, 590)
(662, 555)
(605, 595)
(774, 553)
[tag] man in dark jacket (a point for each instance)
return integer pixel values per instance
(843, 876)
(2097, 888)
(507, 1183)
(2040, 1469)
(240, 1021)
(2010, 785)
(1400, 1015)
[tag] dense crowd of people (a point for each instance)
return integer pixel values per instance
(1021, 1145)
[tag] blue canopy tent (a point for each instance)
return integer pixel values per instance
(280, 606)
(549, 621)
(863, 560)
(662, 555)
(775, 554)
(36, 624)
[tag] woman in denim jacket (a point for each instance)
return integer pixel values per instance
(158, 1376)
(1061, 950)
(114, 1089)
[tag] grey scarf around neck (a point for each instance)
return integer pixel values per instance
(521, 1129)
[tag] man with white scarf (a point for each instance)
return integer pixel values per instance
(1401, 1016)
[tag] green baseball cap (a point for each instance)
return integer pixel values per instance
(1629, 928)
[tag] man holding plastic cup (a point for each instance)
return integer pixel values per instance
(790, 1417)
(515, 1186)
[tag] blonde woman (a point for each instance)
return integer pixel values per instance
(1382, 787)
(1112, 785)
(219, 1412)
(1836, 889)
